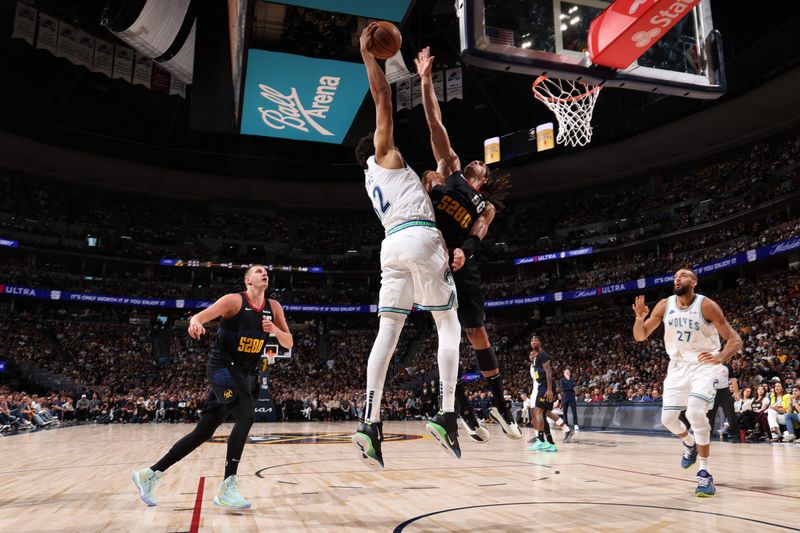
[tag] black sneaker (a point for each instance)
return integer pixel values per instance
(368, 438)
(506, 422)
(444, 428)
(474, 428)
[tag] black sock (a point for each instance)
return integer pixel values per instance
(547, 433)
(462, 404)
(496, 386)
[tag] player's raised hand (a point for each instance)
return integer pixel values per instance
(365, 41)
(458, 259)
(640, 308)
(424, 62)
(196, 330)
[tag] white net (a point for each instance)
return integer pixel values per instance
(572, 102)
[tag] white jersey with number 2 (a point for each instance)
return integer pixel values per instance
(686, 331)
(397, 195)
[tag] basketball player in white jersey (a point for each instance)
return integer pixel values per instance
(414, 271)
(693, 325)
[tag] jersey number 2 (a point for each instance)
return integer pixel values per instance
(688, 335)
(382, 207)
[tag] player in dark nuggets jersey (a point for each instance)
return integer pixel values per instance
(248, 320)
(463, 215)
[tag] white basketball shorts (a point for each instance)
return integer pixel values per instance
(415, 272)
(686, 379)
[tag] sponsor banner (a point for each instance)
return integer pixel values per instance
(553, 256)
(455, 88)
(404, 94)
(85, 49)
(48, 33)
(394, 10)
(741, 258)
(9, 244)
(469, 377)
(438, 84)
(161, 80)
(68, 43)
(142, 71)
(123, 63)
(177, 87)
(24, 23)
(103, 57)
(301, 98)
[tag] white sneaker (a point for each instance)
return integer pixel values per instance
(145, 480)
(789, 437)
(576, 428)
(228, 495)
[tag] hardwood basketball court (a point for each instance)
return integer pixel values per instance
(307, 477)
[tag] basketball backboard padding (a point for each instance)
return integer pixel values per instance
(627, 28)
(550, 37)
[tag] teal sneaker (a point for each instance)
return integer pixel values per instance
(228, 496)
(145, 480)
(367, 439)
(536, 446)
(549, 448)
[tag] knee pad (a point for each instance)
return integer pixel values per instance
(696, 415)
(669, 417)
(487, 360)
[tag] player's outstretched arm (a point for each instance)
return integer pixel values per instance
(440, 141)
(643, 327)
(385, 153)
(479, 230)
(225, 307)
(278, 327)
(733, 342)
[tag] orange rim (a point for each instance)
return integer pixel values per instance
(591, 90)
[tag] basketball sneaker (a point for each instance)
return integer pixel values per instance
(444, 428)
(367, 439)
(145, 480)
(506, 422)
(689, 456)
(569, 434)
(705, 485)
(788, 437)
(538, 445)
(548, 448)
(474, 428)
(228, 495)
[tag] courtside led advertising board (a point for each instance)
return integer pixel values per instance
(301, 98)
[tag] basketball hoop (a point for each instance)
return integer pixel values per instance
(572, 102)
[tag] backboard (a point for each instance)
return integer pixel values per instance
(550, 37)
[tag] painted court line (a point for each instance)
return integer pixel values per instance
(198, 506)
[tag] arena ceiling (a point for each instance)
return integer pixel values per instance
(57, 103)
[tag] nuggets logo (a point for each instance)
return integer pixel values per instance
(228, 394)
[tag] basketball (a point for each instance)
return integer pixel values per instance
(386, 40)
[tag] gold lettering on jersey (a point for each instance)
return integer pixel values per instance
(454, 208)
(248, 345)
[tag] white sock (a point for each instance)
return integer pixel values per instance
(560, 423)
(449, 331)
(378, 363)
(688, 439)
(704, 464)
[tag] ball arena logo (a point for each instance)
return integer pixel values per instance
(311, 438)
(290, 111)
(661, 21)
